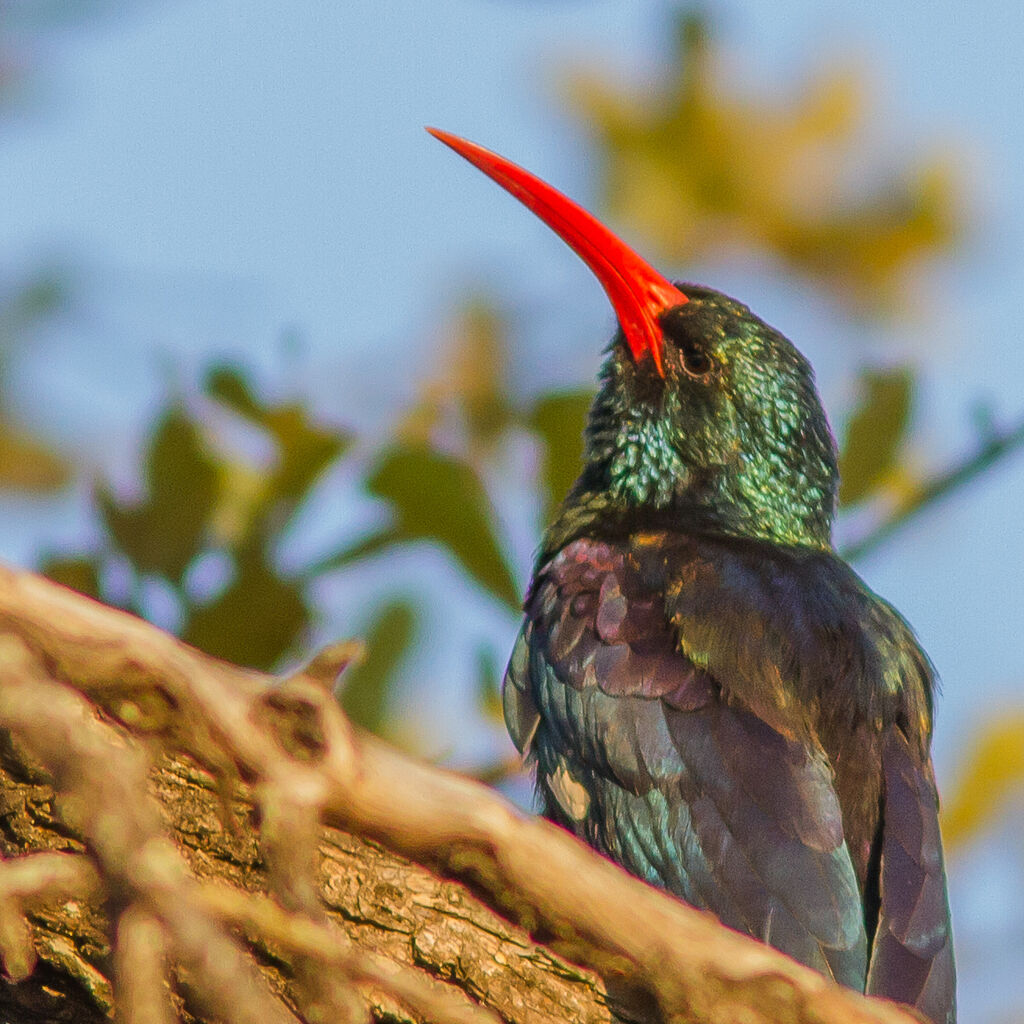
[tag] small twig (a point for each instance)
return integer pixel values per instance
(16, 948)
(29, 880)
(937, 488)
(102, 784)
(498, 771)
(328, 664)
(140, 970)
(43, 876)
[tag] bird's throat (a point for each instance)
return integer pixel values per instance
(645, 467)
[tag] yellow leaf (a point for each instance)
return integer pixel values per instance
(994, 772)
(28, 464)
(701, 169)
(468, 390)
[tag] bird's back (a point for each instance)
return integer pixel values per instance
(748, 727)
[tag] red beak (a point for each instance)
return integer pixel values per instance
(637, 291)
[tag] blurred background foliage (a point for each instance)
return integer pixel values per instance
(690, 168)
(26, 462)
(695, 167)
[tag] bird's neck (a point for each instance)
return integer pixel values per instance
(644, 468)
(639, 473)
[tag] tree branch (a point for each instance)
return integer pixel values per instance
(937, 488)
(286, 750)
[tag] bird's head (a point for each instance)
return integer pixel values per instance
(703, 408)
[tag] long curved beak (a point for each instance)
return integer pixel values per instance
(638, 293)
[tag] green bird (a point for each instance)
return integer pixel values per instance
(710, 695)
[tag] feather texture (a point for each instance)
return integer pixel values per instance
(745, 726)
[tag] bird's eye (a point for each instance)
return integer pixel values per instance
(696, 362)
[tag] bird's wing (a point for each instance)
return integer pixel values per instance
(641, 753)
(811, 622)
(912, 952)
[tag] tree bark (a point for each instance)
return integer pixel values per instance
(184, 839)
(386, 905)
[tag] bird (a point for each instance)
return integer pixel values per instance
(710, 695)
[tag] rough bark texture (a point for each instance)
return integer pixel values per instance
(206, 843)
(384, 903)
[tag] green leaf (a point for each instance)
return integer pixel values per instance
(365, 548)
(78, 573)
(476, 374)
(558, 419)
(367, 688)
(164, 532)
(875, 432)
(439, 498)
(228, 385)
(255, 621)
(41, 296)
(488, 685)
(32, 301)
(304, 448)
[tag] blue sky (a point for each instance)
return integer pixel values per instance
(217, 174)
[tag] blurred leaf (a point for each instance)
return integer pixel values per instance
(29, 464)
(558, 419)
(470, 382)
(78, 573)
(994, 772)
(440, 498)
(488, 686)
(257, 618)
(304, 448)
(697, 167)
(31, 301)
(875, 432)
(480, 371)
(164, 532)
(365, 548)
(367, 687)
(42, 295)
(241, 508)
(229, 386)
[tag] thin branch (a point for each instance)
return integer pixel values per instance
(45, 876)
(99, 782)
(937, 488)
(140, 969)
(494, 773)
(26, 882)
